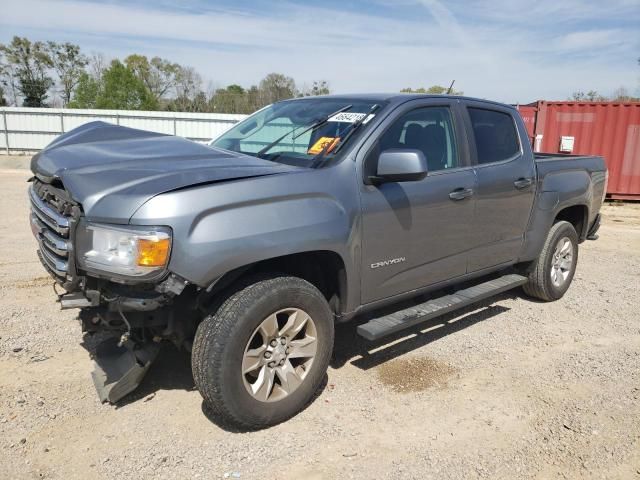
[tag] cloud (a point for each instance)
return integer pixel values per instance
(447, 21)
(512, 51)
(591, 39)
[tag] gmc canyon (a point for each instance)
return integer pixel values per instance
(312, 211)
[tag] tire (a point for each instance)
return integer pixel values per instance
(224, 340)
(542, 284)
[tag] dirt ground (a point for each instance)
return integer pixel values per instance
(512, 388)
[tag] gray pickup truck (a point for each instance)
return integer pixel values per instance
(309, 212)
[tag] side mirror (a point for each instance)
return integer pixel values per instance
(400, 165)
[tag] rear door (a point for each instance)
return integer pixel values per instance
(505, 173)
(415, 233)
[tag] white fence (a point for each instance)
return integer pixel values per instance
(31, 129)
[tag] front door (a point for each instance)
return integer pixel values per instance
(415, 233)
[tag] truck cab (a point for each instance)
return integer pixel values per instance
(479, 173)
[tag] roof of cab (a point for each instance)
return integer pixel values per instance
(403, 97)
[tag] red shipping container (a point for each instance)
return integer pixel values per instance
(528, 114)
(610, 129)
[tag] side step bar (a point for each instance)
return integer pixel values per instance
(396, 321)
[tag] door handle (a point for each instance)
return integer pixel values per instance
(523, 183)
(461, 193)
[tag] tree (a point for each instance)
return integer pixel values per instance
(318, 87)
(90, 83)
(255, 101)
(188, 89)
(8, 81)
(590, 96)
(276, 86)
(117, 89)
(621, 94)
(30, 63)
(200, 102)
(97, 65)
(87, 92)
(69, 64)
(3, 102)
(122, 90)
(232, 99)
(432, 90)
(159, 75)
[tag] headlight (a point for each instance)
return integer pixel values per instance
(139, 252)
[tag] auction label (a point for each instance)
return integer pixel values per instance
(350, 117)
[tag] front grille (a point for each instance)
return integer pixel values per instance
(53, 218)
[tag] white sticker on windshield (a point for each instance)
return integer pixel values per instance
(350, 117)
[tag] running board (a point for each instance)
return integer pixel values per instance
(396, 321)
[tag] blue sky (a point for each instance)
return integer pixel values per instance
(507, 50)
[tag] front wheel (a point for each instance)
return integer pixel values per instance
(262, 355)
(554, 269)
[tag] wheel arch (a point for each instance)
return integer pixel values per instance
(578, 216)
(325, 269)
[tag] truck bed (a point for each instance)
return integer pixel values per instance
(549, 162)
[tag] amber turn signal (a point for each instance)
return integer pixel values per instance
(153, 253)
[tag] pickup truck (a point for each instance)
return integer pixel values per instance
(311, 211)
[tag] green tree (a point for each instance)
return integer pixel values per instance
(276, 86)
(3, 101)
(87, 92)
(30, 63)
(118, 89)
(235, 89)
(122, 90)
(232, 99)
(160, 76)
(432, 90)
(69, 64)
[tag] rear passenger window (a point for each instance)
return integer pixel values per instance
(495, 134)
(428, 129)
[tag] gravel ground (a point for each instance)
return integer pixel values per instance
(512, 388)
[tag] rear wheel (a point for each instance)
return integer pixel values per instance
(554, 269)
(261, 356)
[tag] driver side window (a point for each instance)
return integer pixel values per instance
(429, 129)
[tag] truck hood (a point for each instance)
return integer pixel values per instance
(113, 170)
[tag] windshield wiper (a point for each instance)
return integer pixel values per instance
(322, 121)
(313, 126)
(315, 161)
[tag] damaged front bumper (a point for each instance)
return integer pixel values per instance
(135, 316)
(136, 319)
(119, 368)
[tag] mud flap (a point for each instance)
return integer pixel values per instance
(120, 369)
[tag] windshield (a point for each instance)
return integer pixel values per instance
(299, 132)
